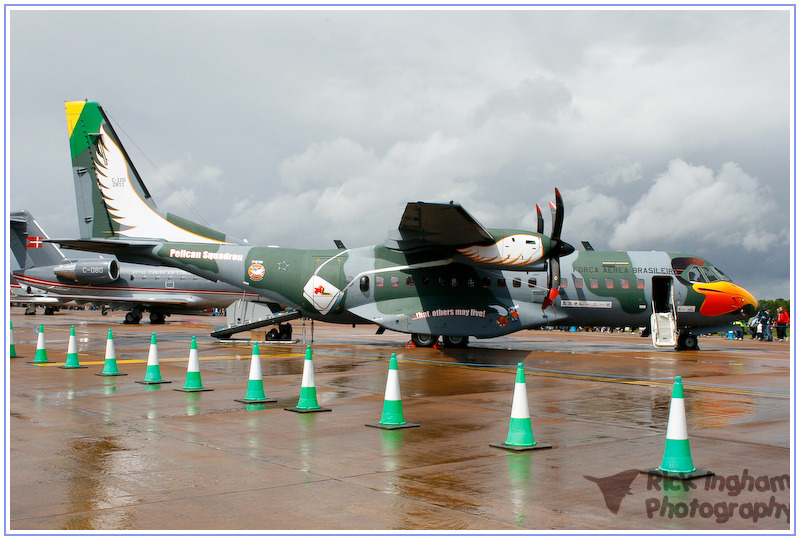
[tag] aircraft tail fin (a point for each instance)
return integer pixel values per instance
(112, 200)
(28, 242)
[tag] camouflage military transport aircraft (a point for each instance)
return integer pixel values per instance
(441, 274)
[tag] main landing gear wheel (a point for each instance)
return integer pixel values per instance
(687, 342)
(424, 340)
(456, 342)
(157, 318)
(133, 317)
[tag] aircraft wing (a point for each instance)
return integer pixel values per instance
(102, 245)
(133, 251)
(431, 225)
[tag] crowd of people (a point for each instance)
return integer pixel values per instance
(761, 326)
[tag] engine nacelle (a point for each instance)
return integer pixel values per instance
(89, 271)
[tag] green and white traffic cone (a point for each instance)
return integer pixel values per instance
(12, 353)
(392, 417)
(677, 461)
(110, 366)
(72, 352)
(520, 434)
(41, 349)
(193, 381)
(308, 391)
(255, 383)
(152, 374)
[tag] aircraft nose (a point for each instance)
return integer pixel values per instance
(724, 297)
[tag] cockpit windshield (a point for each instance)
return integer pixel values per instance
(703, 274)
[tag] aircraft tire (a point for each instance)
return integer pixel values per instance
(132, 318)
(687, 342)
(424, 340)
(456, 342)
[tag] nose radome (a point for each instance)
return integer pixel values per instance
(724, 297)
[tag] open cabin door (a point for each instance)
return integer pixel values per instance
(663, 320)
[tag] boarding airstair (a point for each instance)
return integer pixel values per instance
(664, 318)
(244, 315)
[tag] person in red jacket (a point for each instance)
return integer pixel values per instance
(782, 323)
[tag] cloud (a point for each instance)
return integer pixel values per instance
(626, 173)
(341, 188)
(541, 99)
(687, 203)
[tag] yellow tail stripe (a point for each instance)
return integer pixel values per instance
(74, 110)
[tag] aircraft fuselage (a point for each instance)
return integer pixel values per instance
(429, 294)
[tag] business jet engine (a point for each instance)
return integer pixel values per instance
(89, 271)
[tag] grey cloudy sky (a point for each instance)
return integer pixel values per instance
(665, 129)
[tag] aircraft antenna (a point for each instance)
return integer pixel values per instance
(158, 172)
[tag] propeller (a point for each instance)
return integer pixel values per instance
(558, 248)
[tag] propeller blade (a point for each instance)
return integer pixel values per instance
(558, 217)
(554, 280)
(539, 220)
(557, 249)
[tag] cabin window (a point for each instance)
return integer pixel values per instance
(440, 281)
(594, 283)
(395, 281)
(379, 281)
(426, 281)
(501, 282)
(470, 282)
(517, 283)
(625, 283)
(486, 282)
(454, 282)
(532, 282)
(564, 283)
(363, 284)
(410, 281)
(578, 283)
(640, 284)
(609, 283)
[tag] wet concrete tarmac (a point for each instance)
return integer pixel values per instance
(105, 453)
